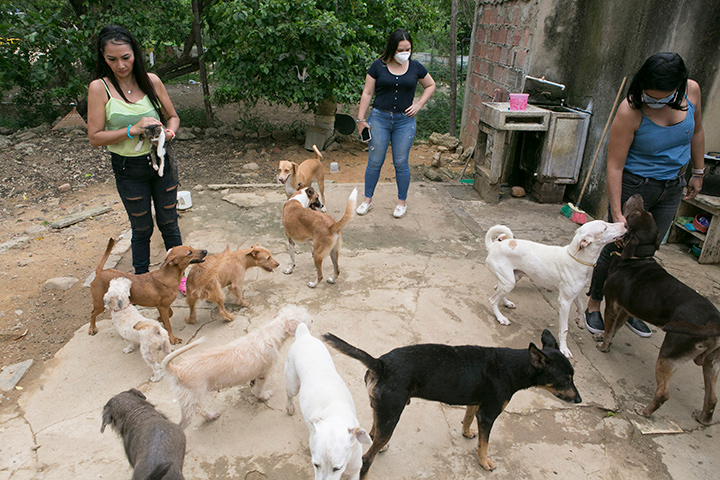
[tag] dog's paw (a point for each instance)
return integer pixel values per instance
(502, 320)
(566, 351)
(92, 330)
(508, 303)
(211, 416)
(603, 347)
(330, 280)
(312, 284)
(642, 410)
(700, 417)
(288, 271)
(129, 349)
(290, 409)
(266, 395)
(487, 464)
(157, 377)
(469, 433)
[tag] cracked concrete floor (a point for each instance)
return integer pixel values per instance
(418, 279)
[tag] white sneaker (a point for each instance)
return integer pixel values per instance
(400, 211)
(363, 208)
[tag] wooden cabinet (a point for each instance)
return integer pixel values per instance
(701, 204)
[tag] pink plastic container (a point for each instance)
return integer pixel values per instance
(518, 101)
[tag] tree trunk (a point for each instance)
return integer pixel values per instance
(209, 117)
(453, 67)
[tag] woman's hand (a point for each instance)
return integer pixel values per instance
(362, 126)
(693, 188)
(413, 109)
(137, 128)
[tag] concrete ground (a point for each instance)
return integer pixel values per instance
(418, 279)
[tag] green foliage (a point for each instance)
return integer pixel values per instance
(192, 117)
(53, 59)
(303, 51)
(435, 117)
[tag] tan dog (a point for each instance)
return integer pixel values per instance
(295, 176)
(303, 224)
(158, 288)
(227, 269)
(246, 359)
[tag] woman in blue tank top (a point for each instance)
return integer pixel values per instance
(656, 133)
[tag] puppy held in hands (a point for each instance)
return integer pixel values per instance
(327, 407)
(155, 134)
(246, 359)
(134, 328)
(155, 446)
(227, 269)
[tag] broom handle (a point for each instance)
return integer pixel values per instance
(602, 137)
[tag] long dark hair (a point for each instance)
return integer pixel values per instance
(119, 35)
(392, 44)
(664, 71)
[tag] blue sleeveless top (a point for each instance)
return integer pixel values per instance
(660, 152)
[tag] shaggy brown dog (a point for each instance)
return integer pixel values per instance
(227, 269)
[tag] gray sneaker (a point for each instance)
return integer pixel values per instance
(594, 322)
(638, 327)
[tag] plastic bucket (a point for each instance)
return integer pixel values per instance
(333, 167)
(518, 101)
(184, 200)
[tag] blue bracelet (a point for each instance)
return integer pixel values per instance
(128, 131)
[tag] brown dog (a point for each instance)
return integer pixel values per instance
(295, 176)
(227, 269)
(304, 224)
(158, 288)
(637, 286)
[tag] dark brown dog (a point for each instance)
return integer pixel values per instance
(155, 446)
(158, 288)
(637, 286)
(483, 378)
(227, 269)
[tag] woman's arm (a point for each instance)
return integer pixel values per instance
(365, 99)
(697, 144)
(428, 85)
(622, 133)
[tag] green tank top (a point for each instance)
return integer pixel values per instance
(119, 114)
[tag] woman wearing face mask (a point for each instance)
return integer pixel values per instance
(392, 80)
(656, 135)
(122, 100)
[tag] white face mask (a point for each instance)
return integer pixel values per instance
(402, 57)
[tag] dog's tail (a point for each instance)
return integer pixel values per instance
(166, 361)
(368, 360)
(318, 155)
(106, 255)
(687, 328)
(497, 233)
(159, 472)
(349, 213)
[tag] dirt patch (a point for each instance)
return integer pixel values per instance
(36, 322)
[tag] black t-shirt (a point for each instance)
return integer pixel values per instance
(395, 93)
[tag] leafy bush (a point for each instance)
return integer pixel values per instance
(435, 117)
(192, 117)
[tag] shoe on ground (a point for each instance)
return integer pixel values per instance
(363, 208)
(594, 322)
(183, 286)
(638, 327)
(400, 211)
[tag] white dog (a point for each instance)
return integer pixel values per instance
(246, 359)
(136, 329)
(328, 409)
(566, 269)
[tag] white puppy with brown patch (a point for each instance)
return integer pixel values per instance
(134, 328)
(327, 407)
(246, 359)
(567, 269)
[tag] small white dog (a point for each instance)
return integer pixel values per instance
(328, 409)
(566, 269)
(246, 359)
(136, 329)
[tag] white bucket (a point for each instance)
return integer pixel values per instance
(333, 167)
(184, 201)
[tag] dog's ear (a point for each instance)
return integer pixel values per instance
(107, 417)
(631, 244)
(585, 241)
(548, 340)
(137, 393)
(309, 192)
(361, 435)
(537, 358)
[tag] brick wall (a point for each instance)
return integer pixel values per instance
(498, 57)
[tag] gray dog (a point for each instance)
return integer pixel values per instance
(154, 445)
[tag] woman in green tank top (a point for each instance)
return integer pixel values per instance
(123, 100)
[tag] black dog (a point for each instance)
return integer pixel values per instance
(483, 378)
(154, 445)
(637, 286)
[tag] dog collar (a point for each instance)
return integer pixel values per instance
(580, 261)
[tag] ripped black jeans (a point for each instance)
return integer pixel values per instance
(139, 186)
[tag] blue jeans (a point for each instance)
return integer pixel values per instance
(139, 185)
(660, 197)
(386, 128)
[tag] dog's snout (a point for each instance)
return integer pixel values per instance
(577, 397)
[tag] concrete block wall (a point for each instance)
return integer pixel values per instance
(498, 57)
